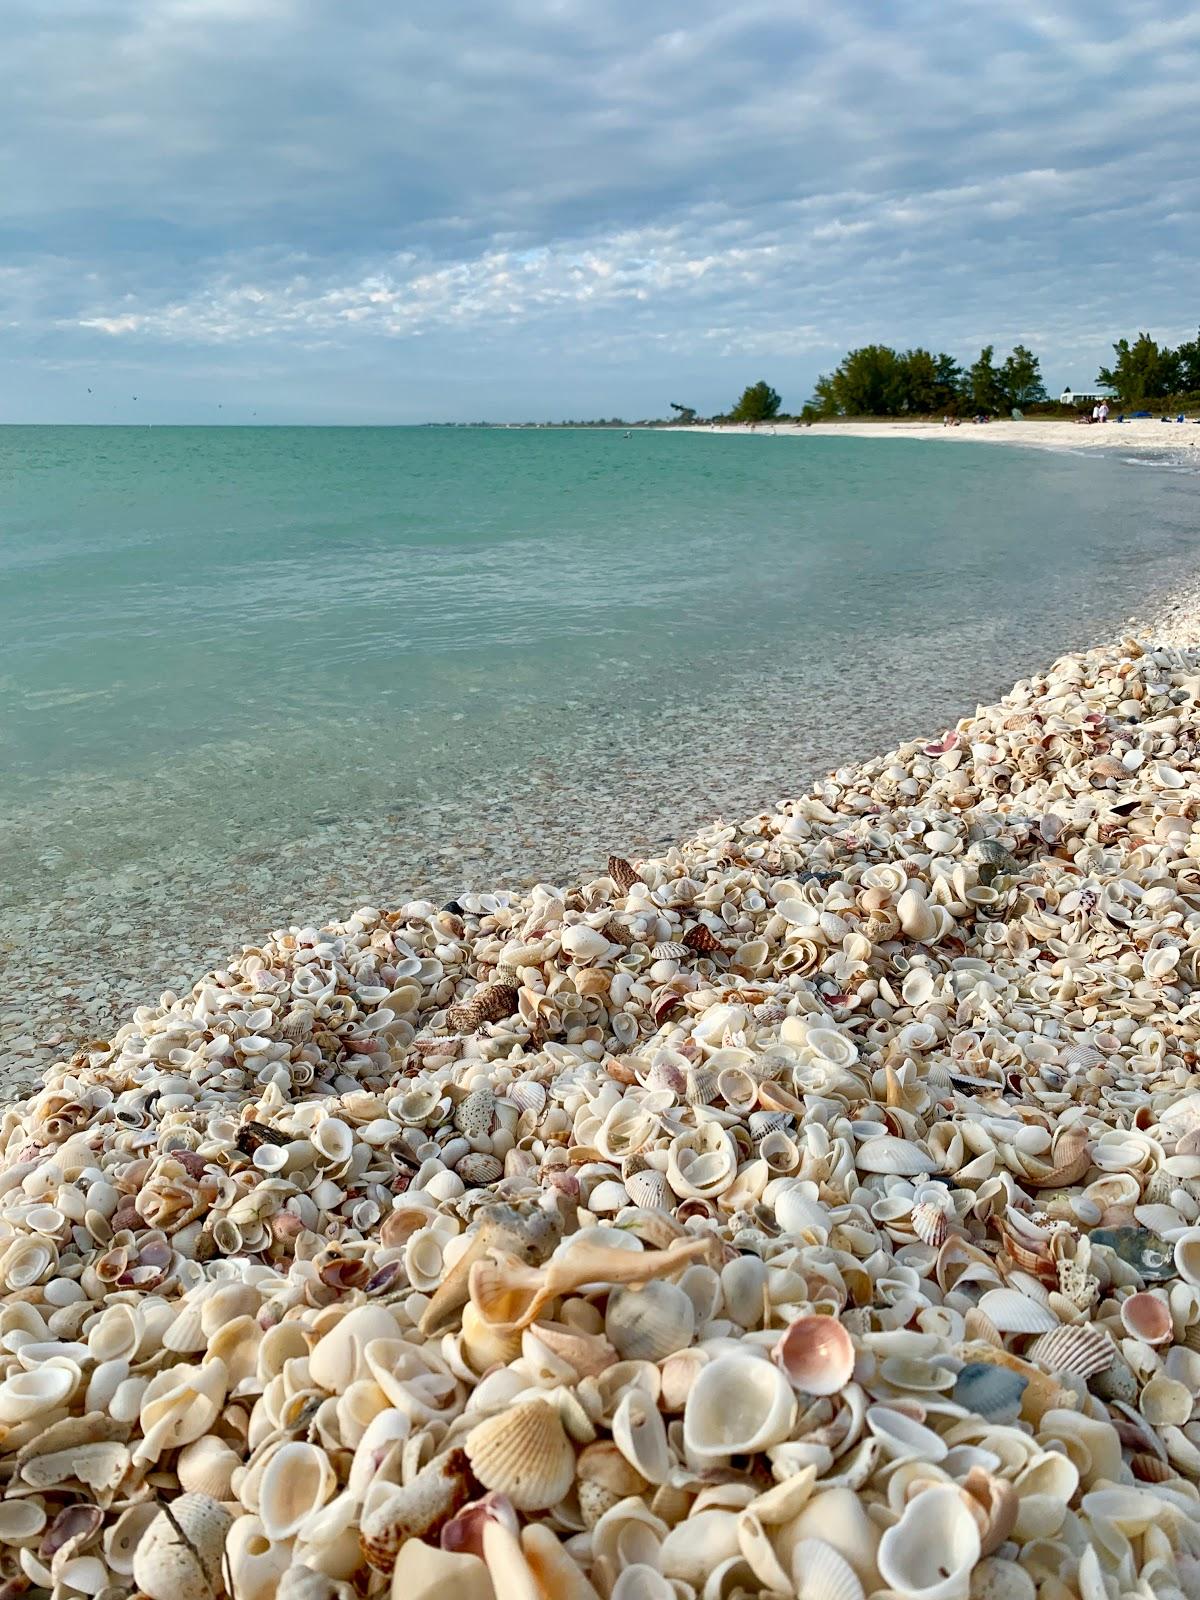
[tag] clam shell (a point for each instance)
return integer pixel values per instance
(524, 1454)
(1147, 1317)
(931, 1550)
(206, 1466)
(297, 1482)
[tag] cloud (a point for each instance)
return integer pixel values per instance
(602, 193)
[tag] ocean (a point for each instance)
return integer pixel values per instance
(258, 675)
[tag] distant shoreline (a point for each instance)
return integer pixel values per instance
(1043, 434)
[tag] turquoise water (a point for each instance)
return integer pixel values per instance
(254, 675)
(263, 628)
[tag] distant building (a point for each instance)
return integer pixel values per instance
(1091, 397)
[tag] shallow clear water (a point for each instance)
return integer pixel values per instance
(253, 674)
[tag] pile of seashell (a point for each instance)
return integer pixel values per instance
(814, 1211)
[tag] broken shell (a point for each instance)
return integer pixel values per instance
(179, 1555)
(737, 1405)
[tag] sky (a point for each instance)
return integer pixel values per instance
(395, 211)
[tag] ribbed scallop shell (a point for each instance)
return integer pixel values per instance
(702, 1088)
(820, 1572)
(206, 1466)
(930, 1224)
(670, 950)
(1012, 1312)
(1082, 1350)
(523, 1453)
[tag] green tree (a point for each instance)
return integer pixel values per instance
(1142, 371)
(868, 383)
(759, 403)
(926, 383)
(1020, 378)
(983, 387)
(1187, 357)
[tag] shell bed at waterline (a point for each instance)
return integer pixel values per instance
(813, 1211)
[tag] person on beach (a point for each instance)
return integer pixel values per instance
(1104, 411)
(1096, 412)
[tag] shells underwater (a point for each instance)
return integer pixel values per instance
(813, 1210)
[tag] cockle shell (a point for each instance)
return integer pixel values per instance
(523, 1453)
(886, 1154)
(1012, 1312)
(819, 1572)
(650, 1322)
(1147, 1316)
(179, 1555)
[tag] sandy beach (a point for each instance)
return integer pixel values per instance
(1142, 437)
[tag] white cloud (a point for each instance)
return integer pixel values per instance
(291, 175)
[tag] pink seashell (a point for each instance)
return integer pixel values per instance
(1146, 1317)
(817, 1354)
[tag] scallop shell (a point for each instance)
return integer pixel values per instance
(179, 1556)
(206, 1466)
(819, 1572)
(1012, 1312)
(1081, 1349)
(523, 1453)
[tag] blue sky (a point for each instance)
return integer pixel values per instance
(356, 210)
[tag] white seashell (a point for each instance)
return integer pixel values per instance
(583, 943)
(929, 1553)
(423, 1572)
(21, 1520)
(122, 1538)
(26, 1395)
(255, 1564)
(1012, 1312)
(738, 1404)
(206, 1466)
(649, 1323)
(819, 1572)
(887, 1154)
(697, 1546)
(165, 1567)
(640, 1435)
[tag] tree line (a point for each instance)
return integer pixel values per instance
(877, 381)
